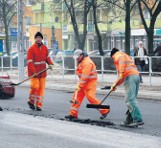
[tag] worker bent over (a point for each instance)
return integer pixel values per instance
(37, 57)
(86, 71)
(128, 74)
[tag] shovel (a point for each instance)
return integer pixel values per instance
(16, 84)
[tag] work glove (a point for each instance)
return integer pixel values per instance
(113, 87)
(35, 74)
(51, 66)
(118, 82)
(77, 88)
(120, 79)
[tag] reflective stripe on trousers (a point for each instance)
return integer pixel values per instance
(131, 92)
(37, 87)
(90, 95)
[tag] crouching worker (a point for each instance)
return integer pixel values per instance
(37, 57)
(86, 71)
(128, 74)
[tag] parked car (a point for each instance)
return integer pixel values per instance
(6, 90)
(66, 52)
(63, 53)
(97, 53)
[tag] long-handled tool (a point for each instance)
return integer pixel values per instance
(100, 106)
(15, 84)
(75, 97)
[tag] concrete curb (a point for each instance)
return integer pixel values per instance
(143, 94)
(69, 83)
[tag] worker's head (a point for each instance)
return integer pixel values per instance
(78, 55)
(140, 44)
(113, 51)
(38, 37)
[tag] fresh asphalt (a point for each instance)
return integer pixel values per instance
(56, 105)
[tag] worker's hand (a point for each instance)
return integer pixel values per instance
(113, 87)
(121, 76)
(51, 66)
(77, 88)
(35, 74)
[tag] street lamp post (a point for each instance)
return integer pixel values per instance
(20, 41)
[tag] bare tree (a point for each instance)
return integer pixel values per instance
(7, 12)
(85, 5)
(95, 6)
(154, 8)
(127, 26)
(72, 9)
(99, 37)
(127, 6)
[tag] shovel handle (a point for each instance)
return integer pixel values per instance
(15, 84)
(34, 75)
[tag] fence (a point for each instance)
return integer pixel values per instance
(66, 65)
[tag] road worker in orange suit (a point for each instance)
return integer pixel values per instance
(86, 71)
(37, 57)
(128, 73)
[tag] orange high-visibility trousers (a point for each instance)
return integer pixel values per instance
(90, 95)
(37, 88)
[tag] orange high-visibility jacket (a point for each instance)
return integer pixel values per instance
(124, 64)
(37, 59)
(86, 72)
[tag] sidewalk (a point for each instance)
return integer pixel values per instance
(68, 82)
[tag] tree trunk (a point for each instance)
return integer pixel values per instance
(127, 27)
(86, 8)
(153, 17)
(99, 37)
(84, 26)
(6, 29)
(7, 41)
(150, 36)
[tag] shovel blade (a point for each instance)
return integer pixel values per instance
(98, 106)
(14, 84)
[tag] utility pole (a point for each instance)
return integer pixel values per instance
(20, 40)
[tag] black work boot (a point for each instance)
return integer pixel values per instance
(129, 118)
(70, 117)
(1, 109)
(31, 105)
(104, 115)
(38, 108)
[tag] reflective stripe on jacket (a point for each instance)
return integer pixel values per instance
(124, 64)
(37, 59)
(86, 72)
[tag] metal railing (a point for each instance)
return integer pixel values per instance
(67, 65)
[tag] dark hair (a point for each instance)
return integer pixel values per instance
(38, 34)
(113, 51)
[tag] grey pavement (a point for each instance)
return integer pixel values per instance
(68, 82)
(21, 130)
